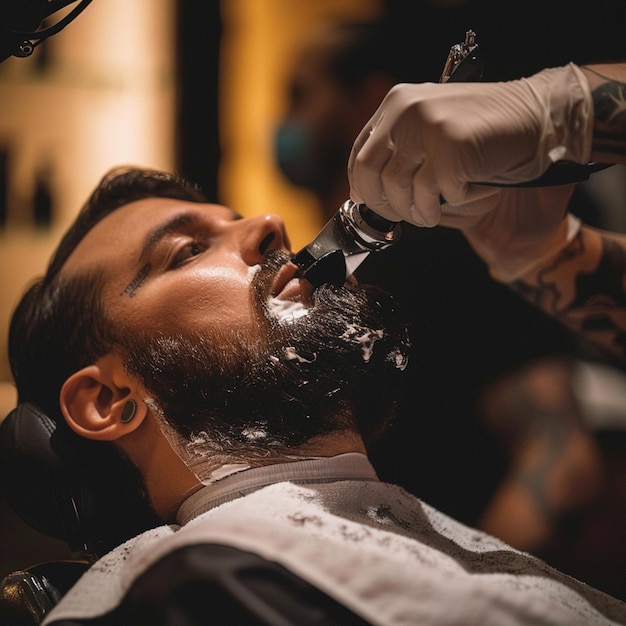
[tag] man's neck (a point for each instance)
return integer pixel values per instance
(312, 470)
(170, 479)
(333, 444)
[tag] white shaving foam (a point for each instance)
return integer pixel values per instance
(292, 355)
(286, 311)
(399, 359)
(191, 452)
(254, 434)
(364, 336)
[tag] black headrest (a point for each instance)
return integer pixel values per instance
(34, 479)
(67, 487)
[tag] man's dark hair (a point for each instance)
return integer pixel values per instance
(60, 326)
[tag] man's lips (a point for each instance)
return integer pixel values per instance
(287, 287)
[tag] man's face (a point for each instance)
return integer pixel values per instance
(237, 352)
(172, 266)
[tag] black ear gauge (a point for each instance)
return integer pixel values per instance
(128, 411)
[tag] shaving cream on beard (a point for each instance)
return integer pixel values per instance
(198, 450)
(194, 459)
(194, 453)
(191, 453)
(286, 311)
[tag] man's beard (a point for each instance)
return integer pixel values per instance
(334, 368)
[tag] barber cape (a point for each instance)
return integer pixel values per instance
(376, 549)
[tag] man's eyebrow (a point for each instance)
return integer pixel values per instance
(172, 226)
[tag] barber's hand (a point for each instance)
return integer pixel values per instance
(521, 230)
(432, 140)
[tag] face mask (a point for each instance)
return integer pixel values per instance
(295, 154)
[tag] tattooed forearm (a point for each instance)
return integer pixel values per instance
(584, 288)
(609, 104)
(131, 289)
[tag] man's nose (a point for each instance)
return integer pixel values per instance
(260, 234)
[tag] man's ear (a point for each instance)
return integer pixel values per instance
(101, 401)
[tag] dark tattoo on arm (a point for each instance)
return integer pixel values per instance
(609, 103)
(549, 423)
(597, 310)
(131, 289)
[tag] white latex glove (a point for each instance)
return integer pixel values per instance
(521, 230)
(431, 140)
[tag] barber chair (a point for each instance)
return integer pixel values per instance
(45, 483)
(40, 481)
(30, 479)
(27, 596)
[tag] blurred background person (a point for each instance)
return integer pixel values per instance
(341, 74)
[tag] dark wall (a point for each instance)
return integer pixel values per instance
(517, 38)
(199, 30)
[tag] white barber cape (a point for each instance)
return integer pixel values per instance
(373, 547)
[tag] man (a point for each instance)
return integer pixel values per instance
(428, 142)
(178, 335)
